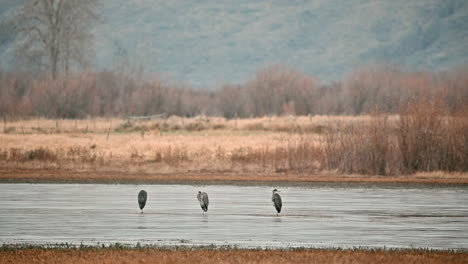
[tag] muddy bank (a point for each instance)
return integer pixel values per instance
(16, 175)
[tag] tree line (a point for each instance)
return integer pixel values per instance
(53, 50)
(275, 90)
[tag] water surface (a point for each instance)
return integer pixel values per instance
(312, 216)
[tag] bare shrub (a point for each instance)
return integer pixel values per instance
(431, 139)
(455, 150)
(425, 138)
(331, 147)
(360, 149)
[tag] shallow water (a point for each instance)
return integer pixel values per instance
(312, 216)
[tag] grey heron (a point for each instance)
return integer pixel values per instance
(142, 195)
(203, 199)
(276, 199)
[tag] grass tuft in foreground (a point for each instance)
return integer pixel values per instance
(121, 253)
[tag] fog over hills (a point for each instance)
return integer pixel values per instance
(208, 43)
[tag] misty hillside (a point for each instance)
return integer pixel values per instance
(207, 43)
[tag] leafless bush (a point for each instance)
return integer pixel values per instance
(425, 138)
(455, 154)
(431, 139)
(354, 149)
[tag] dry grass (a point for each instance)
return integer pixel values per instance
(167, 153)
(370, 145)
(314, 124)
(228, 256)
(172, 145)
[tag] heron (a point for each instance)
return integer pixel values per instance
(276, 199)
(142, 195)
(203, 199)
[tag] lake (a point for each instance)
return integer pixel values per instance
(313, 215)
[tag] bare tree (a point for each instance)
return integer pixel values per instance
(54, 33)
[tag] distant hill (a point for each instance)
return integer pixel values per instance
(207, 43)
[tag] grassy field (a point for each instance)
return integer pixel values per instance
(163, 145)
(155, 255)
(318, 148)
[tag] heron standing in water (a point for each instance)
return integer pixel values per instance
(203, 199)
(276, 199)
(142, 195)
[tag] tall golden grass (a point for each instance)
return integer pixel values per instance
(166, 145)
(423, 138)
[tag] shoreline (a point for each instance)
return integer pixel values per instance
(62, 176)
(130, 246)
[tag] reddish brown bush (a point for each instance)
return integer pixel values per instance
(426, 137)
(275, 90)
